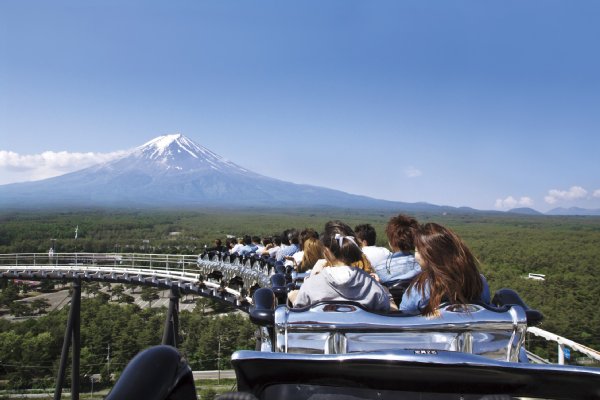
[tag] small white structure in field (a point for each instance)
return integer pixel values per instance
(537, 277)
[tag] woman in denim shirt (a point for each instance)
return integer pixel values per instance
(449, 272)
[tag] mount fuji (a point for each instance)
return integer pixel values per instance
(173, 170)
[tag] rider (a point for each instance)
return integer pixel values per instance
(450, 272)
(339, 280)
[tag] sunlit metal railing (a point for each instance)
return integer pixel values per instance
(165, 262)
(564, 343)
(191, 270)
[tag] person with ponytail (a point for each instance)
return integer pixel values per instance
(340, 281)
(449, 272)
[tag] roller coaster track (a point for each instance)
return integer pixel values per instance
(228, 281)
(225, 279)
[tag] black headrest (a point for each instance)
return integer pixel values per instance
(157, 373)
(262, 311)
(509, 297)
(277, 281)
(279, 267)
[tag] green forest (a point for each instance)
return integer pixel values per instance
(111, 335)
(509, 246)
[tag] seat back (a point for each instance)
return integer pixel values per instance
(340, 328)
(397, 289)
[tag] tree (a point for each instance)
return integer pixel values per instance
(103, 297)
(23, 287)
(9, 294)
(125, 298)
(37, 349)
(221, 306)
(19, 309)
(105, 375)
(149, 294)
(39, 306)
(11, 347)
(202, 305)
(47, 285)
(20, 380)
(117, 291)
(92, 288)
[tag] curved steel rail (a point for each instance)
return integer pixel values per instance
(231, 282)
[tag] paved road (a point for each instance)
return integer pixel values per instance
(61, 298)
(57, 299)
(198, 375)
(163, 301)
(225, 374)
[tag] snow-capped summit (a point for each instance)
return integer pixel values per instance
(164, 146)
(181, 153)
(173, 170)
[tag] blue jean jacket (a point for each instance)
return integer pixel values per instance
(414, 301)
(397, 266)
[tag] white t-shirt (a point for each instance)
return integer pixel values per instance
(375, 254)
(298, 256)
(273, 250)
(236, 248)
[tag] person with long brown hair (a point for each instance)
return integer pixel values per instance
(449, 272)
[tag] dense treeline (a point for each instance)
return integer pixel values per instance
(565, 249)
(184, 232)
(111, 334)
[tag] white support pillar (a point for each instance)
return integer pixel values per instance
(561, 354)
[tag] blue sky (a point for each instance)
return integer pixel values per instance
(487, 104)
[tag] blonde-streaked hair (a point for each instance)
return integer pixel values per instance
(313, 252)
(364, 264)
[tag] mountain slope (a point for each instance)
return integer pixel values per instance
(524, 211)
(173, 170)
(573, 211)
